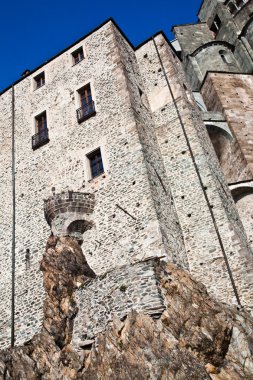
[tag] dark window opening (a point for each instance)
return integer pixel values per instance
(39, 80)
(87, 108)
(216, 25)
(41, 122)
(85, 95)
(27, 259)
(96, 163)
(241, 3)
(143, 98)
(140, 92)
(232, 8)
(77, 228)
(41, 136)
(77, 55)
(235, 6)
(225, 56)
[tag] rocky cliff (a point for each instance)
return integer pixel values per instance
(195, 338)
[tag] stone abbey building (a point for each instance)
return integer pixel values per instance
(140, 153)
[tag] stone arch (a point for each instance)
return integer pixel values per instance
(247, 31)
(67, 207)
(200, 106)
(199, 100)
(77, 228)
(243, 197)
(215, 54)
(240, 192)
(222, 140)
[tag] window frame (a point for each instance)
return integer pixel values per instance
(38, 76)
(41, 136)
(216, 25)
(85, 102)
(77, 51)
(86, 90)
(43, 117)
(90, 156)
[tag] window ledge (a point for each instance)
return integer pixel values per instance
(37, 88)
(97, 178)
(78, 62)
(83, 118)
(40, 144)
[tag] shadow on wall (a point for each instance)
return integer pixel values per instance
(221, 141)
(77, 228)
(243, 197)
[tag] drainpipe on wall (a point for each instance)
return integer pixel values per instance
(13, 224)
(199, 178)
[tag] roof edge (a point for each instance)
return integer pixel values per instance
(110, 19)
(187, 24)
(201, 5)
(160, 32)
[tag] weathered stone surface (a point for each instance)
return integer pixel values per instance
(131, 287)
(196, 337)
(63, 266)
(231, 94)
(149, 200)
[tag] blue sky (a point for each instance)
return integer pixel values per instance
(33, 31)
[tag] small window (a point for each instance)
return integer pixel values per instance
(85, 96)
(39, 80)
(216, 25)
(96, 163)
(232, 8)
(41, 132)
(143, 98)
(87, 107)
(77, 56)
(240, 3)
(41, 122)
(225, 56)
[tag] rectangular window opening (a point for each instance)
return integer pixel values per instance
(87, 107)
(77, 56)
(216, 25)
(96, 163)
(41, 132)
(39, 80)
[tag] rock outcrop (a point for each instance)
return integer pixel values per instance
(195, 338)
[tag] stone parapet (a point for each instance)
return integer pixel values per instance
(66, 208)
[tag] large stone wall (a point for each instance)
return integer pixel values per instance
(243, 196)
(134, 216)
(228, 151)
(231, 94)
(229, 49)
(159, 184)
(149, 202)
(192, 36)
(126, 225)
(116, 293)
(204, 253)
